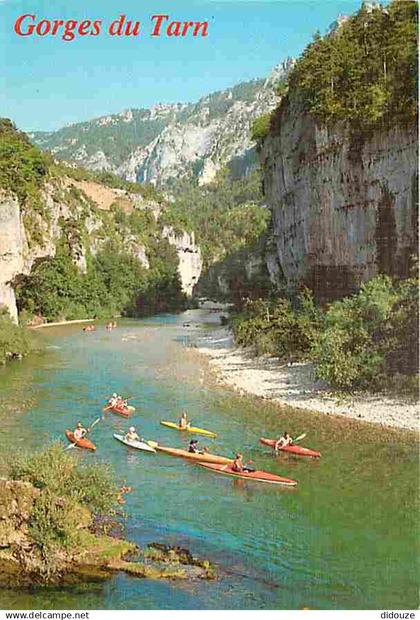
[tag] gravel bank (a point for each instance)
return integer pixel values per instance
(295, 385)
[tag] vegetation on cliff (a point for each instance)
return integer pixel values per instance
(115, 282)
(365, 71)
(225, 215)
(80, 281)
(359, 342)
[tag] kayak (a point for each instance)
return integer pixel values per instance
(297, 450)
(257, 476)
(193, 456)
(138, 445)
(81, 443)
(190, 429)
(124, 411)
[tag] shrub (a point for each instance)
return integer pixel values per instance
(69, 494)
(14, 340)
(59, 472)
(275, 327)
(260, 127)
(369, 336)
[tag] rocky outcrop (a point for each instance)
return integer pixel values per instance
(12, 241)
(94, 556)
(241, 274)
(189, 257)
(343, 201)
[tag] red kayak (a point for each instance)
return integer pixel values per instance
(257, 476)
(81, 443)
(297, 450)
(124, 411)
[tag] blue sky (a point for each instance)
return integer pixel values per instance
(46, 82)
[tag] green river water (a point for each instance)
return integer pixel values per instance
(346, 538)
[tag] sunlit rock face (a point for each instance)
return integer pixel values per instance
(344, 203)
(12, 244)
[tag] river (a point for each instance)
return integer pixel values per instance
(346, 538)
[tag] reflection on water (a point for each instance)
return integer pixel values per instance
(345, 538)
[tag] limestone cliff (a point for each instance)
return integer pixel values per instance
(343, 201)
(79, 211)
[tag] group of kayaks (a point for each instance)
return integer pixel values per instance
(212, 462)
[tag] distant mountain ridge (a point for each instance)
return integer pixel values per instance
(171, 141)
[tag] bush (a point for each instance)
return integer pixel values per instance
(369, 336)
(15, 341)
(260, 127)
(59, 472)
(69, 494)
(275, 327)
(366, 341)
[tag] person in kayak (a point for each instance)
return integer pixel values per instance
(113, 400)
(285, 440)
(193, 447)
(238, 465)
(131, 435)
(183, 421)
(80, 431)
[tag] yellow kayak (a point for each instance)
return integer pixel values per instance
(190, 429)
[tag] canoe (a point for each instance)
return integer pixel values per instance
(124, 411)
(293, 449)
(81, 443)
(256, 476)
(190, 429)
(138, 445)
(200, 458)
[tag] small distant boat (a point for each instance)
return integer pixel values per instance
(189, 429)
(80, 443)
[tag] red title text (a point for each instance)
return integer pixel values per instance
(29, 25)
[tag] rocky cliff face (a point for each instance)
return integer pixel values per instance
(75, 209)
(343, 202)
(11, 250)
(171, 141)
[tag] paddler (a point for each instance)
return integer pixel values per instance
(113, 400)
(183, 421)
(131, 435)
(193, 447)
(238, 465)
(79, 432)
(285, 440)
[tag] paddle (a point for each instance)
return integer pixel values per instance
(152, 444)
(72, 445)
(299, 438)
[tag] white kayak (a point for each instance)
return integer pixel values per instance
(138, 445)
